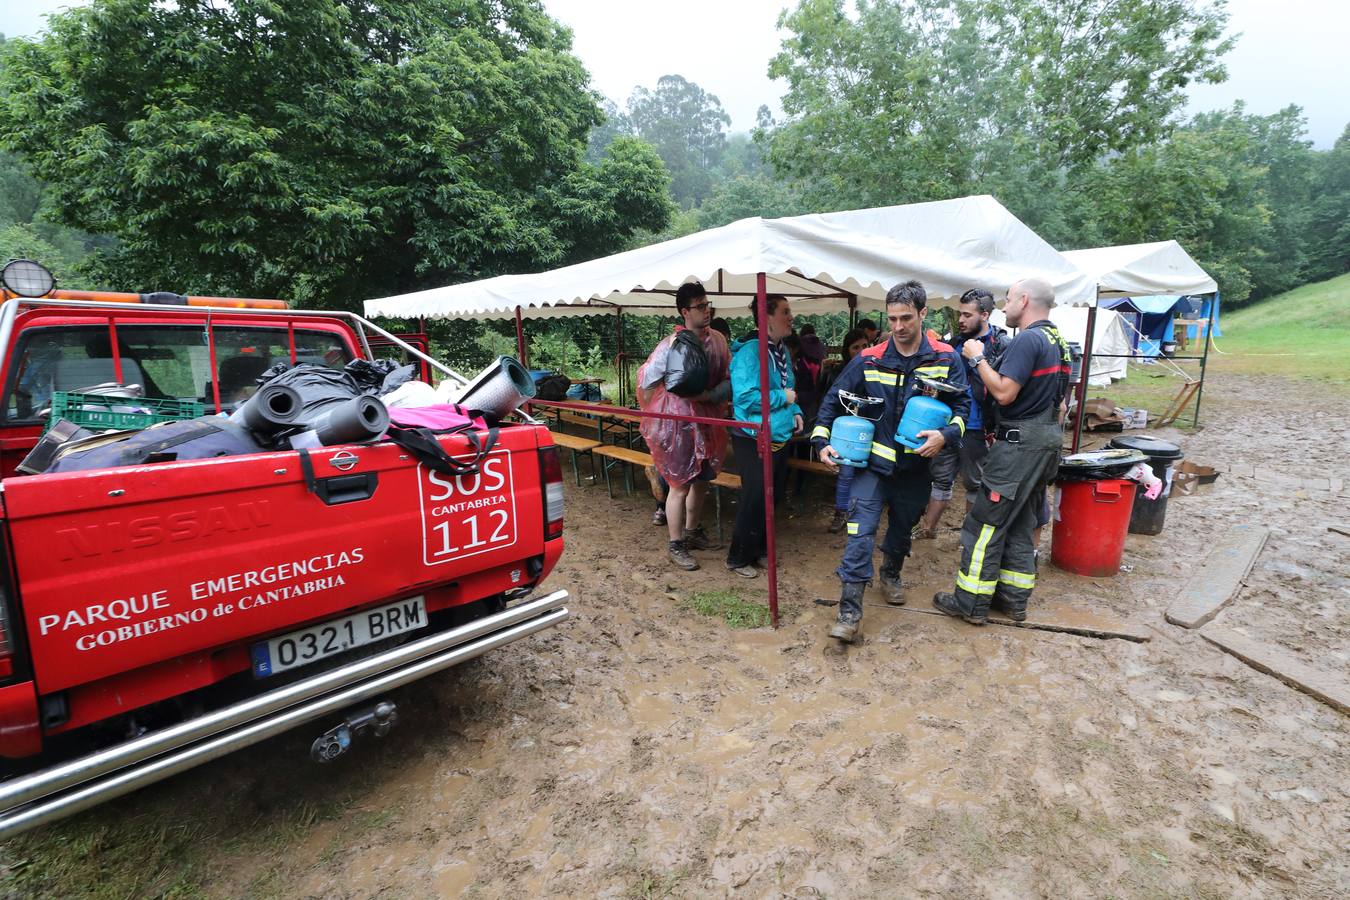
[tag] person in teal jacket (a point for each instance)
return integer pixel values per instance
(748, 539)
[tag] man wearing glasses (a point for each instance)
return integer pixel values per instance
(688, 455)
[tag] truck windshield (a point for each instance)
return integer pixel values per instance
(167, 361)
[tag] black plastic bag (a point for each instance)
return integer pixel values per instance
(553, 387)
(320, 387)
(202, 438)
(686, 366)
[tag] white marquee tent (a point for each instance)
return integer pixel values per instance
(1142, 270)
(817, 260)
(1109, 336)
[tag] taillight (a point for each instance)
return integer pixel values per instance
(6, 646)
(550, 473)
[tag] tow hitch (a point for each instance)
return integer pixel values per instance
(374, 721)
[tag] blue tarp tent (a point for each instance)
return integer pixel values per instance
(1151, 320)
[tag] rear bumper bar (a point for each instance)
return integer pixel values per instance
(70, 787)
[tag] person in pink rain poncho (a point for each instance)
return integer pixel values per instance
(688, 455)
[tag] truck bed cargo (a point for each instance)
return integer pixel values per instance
(203, 605)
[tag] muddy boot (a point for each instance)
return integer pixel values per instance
(892, 588)
(679, 555)
(839, 521)
(948, 603)
(850, 614)
(659, 517)
(1018, 613)
(697, 539)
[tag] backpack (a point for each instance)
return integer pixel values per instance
(687, 369)
(553, 387)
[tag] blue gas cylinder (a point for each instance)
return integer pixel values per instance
(851, 437)
(921, 414)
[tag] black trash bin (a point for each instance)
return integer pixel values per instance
(1146, 517)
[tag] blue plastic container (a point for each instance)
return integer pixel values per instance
(851, 437)
(921, 414)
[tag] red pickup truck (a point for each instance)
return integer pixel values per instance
(153, 617)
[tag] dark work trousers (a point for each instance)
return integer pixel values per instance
(748, 540)
(997, 557)
(904, 493)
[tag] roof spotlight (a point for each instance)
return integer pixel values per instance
(25, 278)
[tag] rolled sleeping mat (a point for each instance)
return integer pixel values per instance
(351, 422)
(272, 408)
(499, 389)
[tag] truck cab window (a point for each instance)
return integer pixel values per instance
(166, 361)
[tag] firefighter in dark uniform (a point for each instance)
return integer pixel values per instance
(998, 560)
(896, 476)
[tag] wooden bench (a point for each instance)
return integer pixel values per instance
(615, 455)
(815, 467)
(577, 445)
(808, 467)
(599, 424)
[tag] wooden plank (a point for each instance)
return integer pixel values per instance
(810, 465)
(573, 442)
(637, 457)
(1219, 578)
(728, 480)
(1331, 689)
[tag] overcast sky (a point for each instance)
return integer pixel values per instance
(1291, 51)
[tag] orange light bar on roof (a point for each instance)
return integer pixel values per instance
(166, 299)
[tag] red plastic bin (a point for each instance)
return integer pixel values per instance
(1091, 521)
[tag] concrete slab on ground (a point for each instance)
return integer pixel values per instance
(1330, 688)
(1217, 581)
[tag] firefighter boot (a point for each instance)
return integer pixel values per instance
(1010, 608)
(951, 604)
(891, 586)
(850, 613)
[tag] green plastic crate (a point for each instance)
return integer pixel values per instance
(95, 411)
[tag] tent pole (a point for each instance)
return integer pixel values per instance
(520, 340)
(765, 441)
(618, 354)
(852, 313)
(1204, 356)
(1083, 375)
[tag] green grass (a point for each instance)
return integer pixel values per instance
(1304, 333)
(727, 606)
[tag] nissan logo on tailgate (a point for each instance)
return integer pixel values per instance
(342, 461)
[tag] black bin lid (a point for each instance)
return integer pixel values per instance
(1157, 449)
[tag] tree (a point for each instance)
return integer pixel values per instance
(320, 150)
(745, 196)
(909, 100)
(1199, 188)
(684, 123)
(1275, 145)
(602, 135)
(1329, 218)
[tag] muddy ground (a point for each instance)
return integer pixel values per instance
(644, 750)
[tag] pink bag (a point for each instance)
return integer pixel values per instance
(437, 417)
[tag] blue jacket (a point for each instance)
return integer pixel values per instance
(882, 372)
(745, 389)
